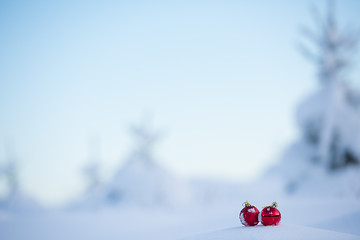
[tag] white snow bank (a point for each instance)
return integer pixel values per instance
(282, 231)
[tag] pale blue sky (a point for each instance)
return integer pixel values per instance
(222, 77)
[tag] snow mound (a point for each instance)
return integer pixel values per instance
(282, 231)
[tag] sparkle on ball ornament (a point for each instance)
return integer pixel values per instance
(249, 215)
(270, 215)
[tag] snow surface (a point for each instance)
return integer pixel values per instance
(301, 218)
(282, 231)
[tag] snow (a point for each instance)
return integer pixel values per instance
(282, 231)
(251, 210)
(327, 113)
(307, 216)
(242, 219)
(15, 199)
(329, 119)
(346, 223)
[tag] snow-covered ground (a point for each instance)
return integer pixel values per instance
(302, 218)
(283, 231)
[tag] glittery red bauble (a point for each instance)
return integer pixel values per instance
(270, 215)
(249, 215)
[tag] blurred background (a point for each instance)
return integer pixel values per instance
(101, 102)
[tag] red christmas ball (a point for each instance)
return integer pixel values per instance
(249, 215)
(270, 215)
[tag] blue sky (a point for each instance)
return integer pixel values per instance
(222, 78)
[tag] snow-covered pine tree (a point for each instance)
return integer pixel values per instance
(92, 168)
(138, 179)
(145, 138)
(141, 180)
(325, 159)
(15, 199)
(330, 118)
(10, 174)
(91, 172)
